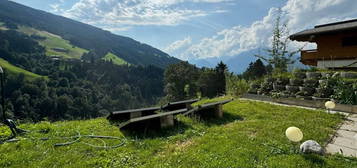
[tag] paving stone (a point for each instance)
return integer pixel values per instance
(346, 142)
(336, 112)
(333, 149)
(346, 134)
(352, 126)
(352, 117)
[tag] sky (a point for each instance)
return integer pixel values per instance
(200, 29)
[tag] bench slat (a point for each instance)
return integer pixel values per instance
(207, 105)
(136, 110)
(152, 117)
(157, 115)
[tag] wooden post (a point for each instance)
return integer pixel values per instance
(167, 121)
(188, 106)
(135, 114)
(218, 112)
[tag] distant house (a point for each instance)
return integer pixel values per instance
(55, 57)
(336, 45)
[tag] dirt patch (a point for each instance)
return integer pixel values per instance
(179, 146)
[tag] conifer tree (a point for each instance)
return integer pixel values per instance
(278, 55)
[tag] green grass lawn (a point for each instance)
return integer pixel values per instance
(54, 41)
(251, 134)
(116, 60)
(16, 70)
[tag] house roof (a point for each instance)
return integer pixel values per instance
(308, 35)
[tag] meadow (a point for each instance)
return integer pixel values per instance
(250, 134)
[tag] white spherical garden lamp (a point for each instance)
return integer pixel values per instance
(330, 105)
(294, 134)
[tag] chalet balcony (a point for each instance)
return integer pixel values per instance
(309, 57)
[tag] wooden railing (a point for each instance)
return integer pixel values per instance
(309, 54)
(309, 57)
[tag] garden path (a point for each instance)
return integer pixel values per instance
(345, 139)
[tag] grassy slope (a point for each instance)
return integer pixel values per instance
(54, 41)
(16, 70)
(116, 60)
(251, 134)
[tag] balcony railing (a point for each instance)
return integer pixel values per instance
(309, 57)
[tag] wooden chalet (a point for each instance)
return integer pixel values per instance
(336, 45)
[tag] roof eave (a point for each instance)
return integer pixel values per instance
(308, 35)
(301, 38)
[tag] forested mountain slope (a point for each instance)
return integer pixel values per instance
(98, 41)
(39, 87)
(57, 68)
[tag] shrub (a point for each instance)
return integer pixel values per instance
(265, 88)
(325, 89)
(237, 87)
(254, 86)
(345, 92)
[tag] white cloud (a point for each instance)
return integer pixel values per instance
(177, 45)
(299, 14)
(125, 13)
(172, 2)
(233, 41)
(55, 7)
(116, 29)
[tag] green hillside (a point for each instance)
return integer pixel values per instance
(251, 134)
(2, 26)
(53, 41)
(115, 59)
(16, 70)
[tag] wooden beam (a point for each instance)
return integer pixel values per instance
(218, 112)
(214, 108)
(179, 105)
(133, 113)
(165, 119)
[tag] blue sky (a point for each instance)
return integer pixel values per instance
(199, 29)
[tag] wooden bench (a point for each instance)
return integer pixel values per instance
(134, 113)
(160, 120)
(171, 106)
(146, 118)
(209, 109)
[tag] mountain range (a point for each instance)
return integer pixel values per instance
(236, 64)
(240, 62)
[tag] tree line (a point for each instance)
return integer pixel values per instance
(184, 81)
